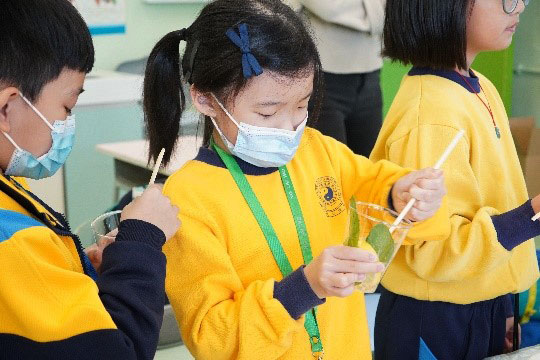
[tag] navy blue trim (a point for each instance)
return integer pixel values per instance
(209, 157)
(60, 217)
(450, 75)
(138, 230)
(13, 222)
(515, 226)
(295, 294)
(98, 344)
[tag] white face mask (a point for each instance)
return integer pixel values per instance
(261, 146)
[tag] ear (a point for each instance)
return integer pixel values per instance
(7, 97)
(203, 102)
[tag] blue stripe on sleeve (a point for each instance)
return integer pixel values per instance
(12, 222)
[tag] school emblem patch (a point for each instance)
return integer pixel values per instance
(329, 195)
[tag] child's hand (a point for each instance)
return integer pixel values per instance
(509, 337)
(426, 186)
(95, 252)
(536, 204)
(154, 208)
(334, 272)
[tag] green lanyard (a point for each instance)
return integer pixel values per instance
(271, 237)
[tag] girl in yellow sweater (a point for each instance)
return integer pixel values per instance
(449, 299)
(257, 271)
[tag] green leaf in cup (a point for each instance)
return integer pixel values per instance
(381, 240)
(354, 225)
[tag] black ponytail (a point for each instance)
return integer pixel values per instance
(164, 99)
(212, 63)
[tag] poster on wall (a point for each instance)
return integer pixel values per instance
(104, 17)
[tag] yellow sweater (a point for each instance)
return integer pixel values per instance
(221, 273)
(50, 305)
(483, 178)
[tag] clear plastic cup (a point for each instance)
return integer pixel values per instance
(104, 226)
(363, 219)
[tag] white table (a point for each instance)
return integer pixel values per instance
(131, 160)
(174, 353)
(136, 152)
(530, 353)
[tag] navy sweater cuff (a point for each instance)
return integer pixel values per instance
(515, 227)
(295, 294)
(142, 231)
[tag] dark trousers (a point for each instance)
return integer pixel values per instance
(407, 329)
(352, 110)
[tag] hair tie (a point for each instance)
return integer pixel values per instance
(250, 65)
(189, 70)
(181, 34)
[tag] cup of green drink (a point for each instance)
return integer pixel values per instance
(368, 228)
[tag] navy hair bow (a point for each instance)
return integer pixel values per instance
(250, 65)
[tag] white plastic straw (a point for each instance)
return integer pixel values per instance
(536, 217)
(437, 166)
(156, 167)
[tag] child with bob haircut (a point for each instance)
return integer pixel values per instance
(450, 299)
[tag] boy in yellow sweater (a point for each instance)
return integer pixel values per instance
(449, 299)
(53, 303)
(257, 271)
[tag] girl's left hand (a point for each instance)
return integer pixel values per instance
(426, 186)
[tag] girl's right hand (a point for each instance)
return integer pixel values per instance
(536, 204)
(338, 268)
(154, 208)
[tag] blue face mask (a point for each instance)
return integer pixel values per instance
(25, 164)
(261, 146)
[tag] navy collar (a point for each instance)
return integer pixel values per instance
(210, 157)
(450, 75)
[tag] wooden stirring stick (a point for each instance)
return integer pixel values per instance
(438, 165)
(157, 166)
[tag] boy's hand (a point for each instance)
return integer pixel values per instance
(95, 252)
(426, 186)
(338, 268)
(536, 204)
(155, 208)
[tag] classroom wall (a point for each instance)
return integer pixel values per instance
(146, 24)
(527, 64)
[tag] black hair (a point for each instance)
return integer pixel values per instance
(427, 33)
(279, 41)
(39, 39)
